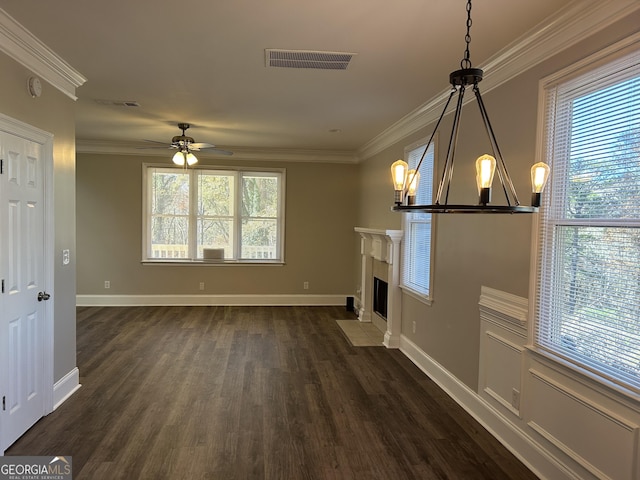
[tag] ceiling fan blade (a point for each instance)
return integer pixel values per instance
(219, 151)
(209, 148)
(200, 146)
(158, 145)
(184, 143)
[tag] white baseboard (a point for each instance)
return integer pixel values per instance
(213, 300)
(65, 387)
(525, 448)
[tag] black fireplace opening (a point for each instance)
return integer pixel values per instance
(380, 290)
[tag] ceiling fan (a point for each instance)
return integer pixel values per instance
(186, 146)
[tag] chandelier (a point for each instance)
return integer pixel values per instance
(406, 181)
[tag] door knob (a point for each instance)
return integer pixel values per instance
(43, 296)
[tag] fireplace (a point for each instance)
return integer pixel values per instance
(379, 290)
(380, 293)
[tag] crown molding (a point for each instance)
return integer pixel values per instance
(22, 46)
(239, 153)
(575, 22)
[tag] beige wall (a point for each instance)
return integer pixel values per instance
(320, 216)
(474, 250)
(54, 113)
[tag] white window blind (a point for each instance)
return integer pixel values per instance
(588, 303)
(416, 265)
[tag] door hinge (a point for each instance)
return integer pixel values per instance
(3, 285)
(1, 166)
(4, 403)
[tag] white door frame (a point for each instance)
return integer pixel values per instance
(20, 129)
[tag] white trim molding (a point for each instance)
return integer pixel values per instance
(21, 45)
(383, 246)
(555, 421)
(210, 300)
(521, 445)
(239, 153)
(65, 387)
(575, 22)
(559, 405)
(507, 307)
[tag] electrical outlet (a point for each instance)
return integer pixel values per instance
(413, 326)
(515, 398)
(107, 284)
(305, 285)
(201, 285)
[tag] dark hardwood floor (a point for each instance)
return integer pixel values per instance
(255, 393)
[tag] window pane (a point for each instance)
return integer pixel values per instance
(596, 296)
(604, 166)
(169, 236)
(169, 227)
(215, 194)
(170, 193)
(259, 196)
(215, 233)
(259, 239)
(416, 245)
(418, 271)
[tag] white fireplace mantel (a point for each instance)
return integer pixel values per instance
(384, 246)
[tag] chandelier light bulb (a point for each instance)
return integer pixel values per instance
(413, 180)
(399, 177)
(485, 169)
(539, 176)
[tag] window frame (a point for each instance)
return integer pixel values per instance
(406, 286)
(546, 151)
(238, 174)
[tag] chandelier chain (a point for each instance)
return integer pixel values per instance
(466, 61)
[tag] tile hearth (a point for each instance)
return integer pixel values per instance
(361, 334)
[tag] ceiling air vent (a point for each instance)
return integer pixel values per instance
(307, 59)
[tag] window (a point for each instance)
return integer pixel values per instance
(238, 212)
(588, 299)
(416, 261)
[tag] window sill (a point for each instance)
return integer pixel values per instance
(421, 297)
(211, 263)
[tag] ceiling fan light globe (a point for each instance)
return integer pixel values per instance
(179, 158)
(191, 158)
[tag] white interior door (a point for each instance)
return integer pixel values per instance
(22, 325)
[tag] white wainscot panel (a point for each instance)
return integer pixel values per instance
(601, 441)
(501, 376)
(503, 320)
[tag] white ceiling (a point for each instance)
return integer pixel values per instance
(203, 63)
